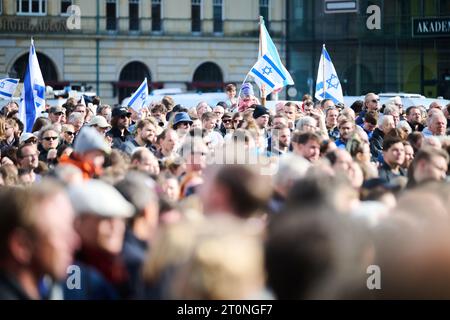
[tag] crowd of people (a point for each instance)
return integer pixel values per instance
(232, 201)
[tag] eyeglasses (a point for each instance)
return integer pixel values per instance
(31, 141)
(50, 138)
(226, 121)
(70, 133)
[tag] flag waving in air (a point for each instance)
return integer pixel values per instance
(328, 85)
(138, 98)
(266, 72)
(7, 87)
(33, 94)
(267, 47)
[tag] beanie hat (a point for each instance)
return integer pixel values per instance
(247, 89)
(260, 111)
(90, 139)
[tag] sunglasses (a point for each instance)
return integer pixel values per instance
(58, 113)
(70, 133)
(50, 138)
(226, 121)
(186, 124)
(125, 116)
(238, 121)
(375, 100)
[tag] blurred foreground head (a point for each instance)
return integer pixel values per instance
(218, 258)
(36, 234)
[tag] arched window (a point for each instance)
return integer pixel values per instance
(47, 66)
(208, 77)
(131, 77)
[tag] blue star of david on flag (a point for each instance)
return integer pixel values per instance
(267, 70)
(330, 82)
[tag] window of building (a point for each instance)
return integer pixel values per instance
(218, 16)
(1, 6)
(196, 15)
(111, 15)
(133, 14)
(65, 4)
(208, 77)
(264, 11)
(131, 77)
(156, 15)
(32, 7)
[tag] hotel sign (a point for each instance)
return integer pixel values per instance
(431, 27)
(32, 24)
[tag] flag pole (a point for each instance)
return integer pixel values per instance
(323, 72)
(262, 89)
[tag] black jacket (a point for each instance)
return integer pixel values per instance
(10, 289)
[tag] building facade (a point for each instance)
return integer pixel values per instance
(111, 45)
(409, 51)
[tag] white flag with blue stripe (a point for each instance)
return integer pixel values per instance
(328, 85)
(138, 98)
(266, 73)
(267, 47)
(33, 94)
(8, 87)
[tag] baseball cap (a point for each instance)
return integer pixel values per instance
(55, 109)
(26, 136)
(120, 111)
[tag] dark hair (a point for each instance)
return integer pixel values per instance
(39, 123)
(230, 87)
(371, 117)
(390, 141)
(357, 106)
(322, 103)
(408, 111)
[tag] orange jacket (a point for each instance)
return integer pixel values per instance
(88, 169)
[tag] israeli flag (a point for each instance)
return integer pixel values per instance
(138, 98)
(8, 87)
(33, 95)
(328, 85)
(267, 47)
(268, 75)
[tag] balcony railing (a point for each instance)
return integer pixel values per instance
(142, 27)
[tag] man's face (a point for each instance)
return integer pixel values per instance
(30, 157)
(169, 143)
(262, 121)
(290, 112)
(331, 120)
(369, 127)
(56, 239)
(148, 164)
(50, 140)
(101, 233)
(209, 124)
(310, 151)
(124, 121)
(415, 116)
(284, 137)
(373, 103)
(56, 117)
(395, 155)
(308, 109)
(77, 124)
(438, 126)
(148, 133)
(346, 130)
